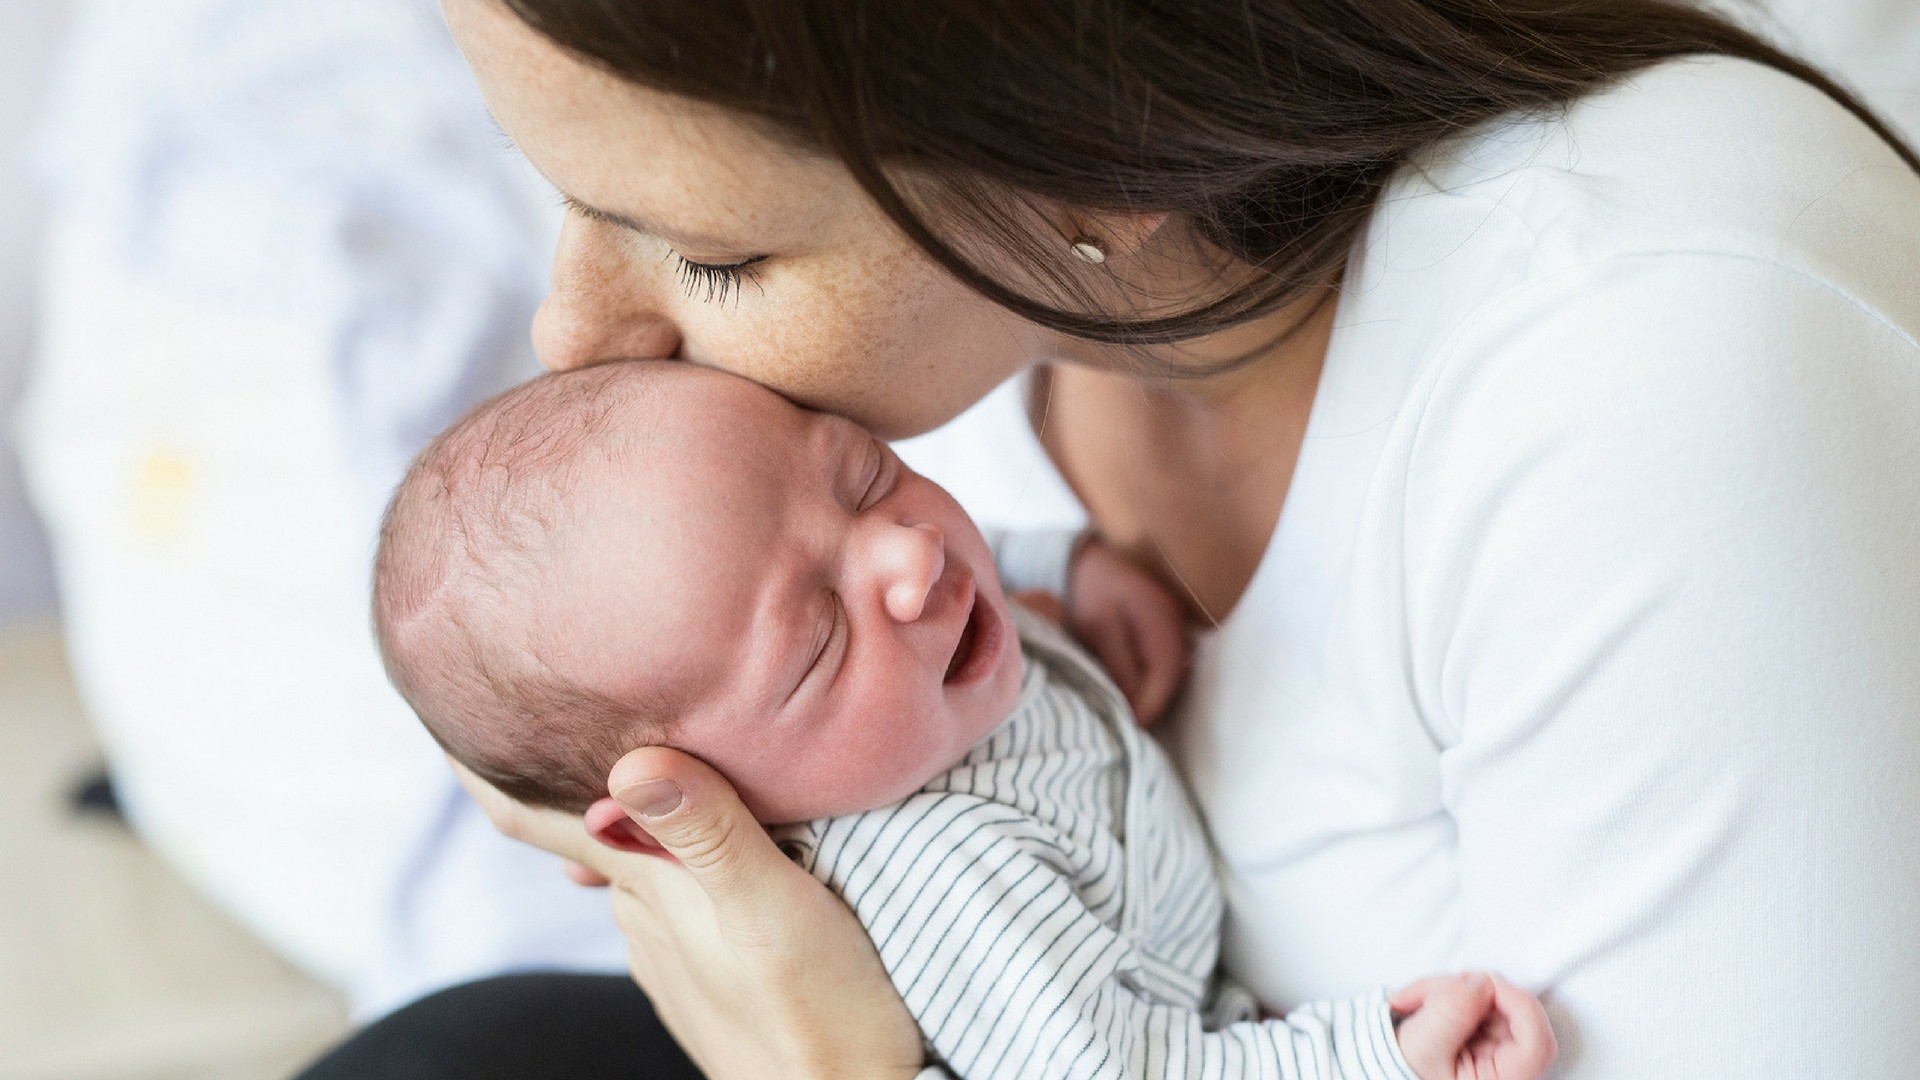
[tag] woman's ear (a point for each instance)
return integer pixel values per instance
(607, 822)
(1116, 235)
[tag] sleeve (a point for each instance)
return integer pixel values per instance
(1662, 548)
(1033, 559)
(1013, 977)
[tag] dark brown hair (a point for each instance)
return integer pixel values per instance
(1272, 126)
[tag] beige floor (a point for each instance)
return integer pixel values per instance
(111, 968)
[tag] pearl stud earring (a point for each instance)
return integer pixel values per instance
(1089, 250)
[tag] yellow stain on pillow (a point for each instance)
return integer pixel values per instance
(161, 508)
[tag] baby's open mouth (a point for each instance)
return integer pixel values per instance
(969, 638)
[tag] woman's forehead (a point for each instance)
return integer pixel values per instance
(679, 169)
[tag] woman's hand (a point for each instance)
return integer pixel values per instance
(1133, 624)
(756, 968)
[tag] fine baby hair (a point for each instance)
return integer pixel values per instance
(467, 560)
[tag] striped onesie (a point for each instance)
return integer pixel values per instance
(1048, 907)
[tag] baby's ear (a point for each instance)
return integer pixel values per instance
(607, 822)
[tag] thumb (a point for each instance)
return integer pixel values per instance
(1432, 1036)
(692, 812)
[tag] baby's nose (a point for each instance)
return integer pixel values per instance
(914, 557)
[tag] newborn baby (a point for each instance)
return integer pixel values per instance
(657, 553)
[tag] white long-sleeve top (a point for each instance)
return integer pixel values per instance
(1048, 908)
(1587, 647)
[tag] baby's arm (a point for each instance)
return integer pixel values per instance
(1133, 624)
(1013, 976)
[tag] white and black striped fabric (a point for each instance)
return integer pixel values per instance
(1048, 908)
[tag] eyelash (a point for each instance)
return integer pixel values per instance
(718, 281)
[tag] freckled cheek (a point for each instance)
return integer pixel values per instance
(896, 345)
(833, 348)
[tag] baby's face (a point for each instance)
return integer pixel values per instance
(824, 624)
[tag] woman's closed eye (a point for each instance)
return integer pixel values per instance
(710, 282)
(714, 282)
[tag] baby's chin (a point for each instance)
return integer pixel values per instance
(785, 808)
(856, 791)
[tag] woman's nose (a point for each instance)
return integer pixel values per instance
(910, 560)
(604, 302)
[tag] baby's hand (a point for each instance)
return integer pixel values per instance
(1133, 625)
(1472, 1027)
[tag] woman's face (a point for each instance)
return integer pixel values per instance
(834, 308)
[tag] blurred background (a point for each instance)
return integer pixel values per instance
(252, 254)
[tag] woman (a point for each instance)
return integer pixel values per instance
(1577, 339)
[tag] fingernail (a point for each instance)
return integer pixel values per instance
(650, 798)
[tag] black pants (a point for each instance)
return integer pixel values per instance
(515, 1027)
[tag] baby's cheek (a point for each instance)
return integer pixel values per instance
(897, 757)
(842, 770)
(896, 767)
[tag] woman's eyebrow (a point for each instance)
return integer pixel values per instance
(678, 239)
(644, 228)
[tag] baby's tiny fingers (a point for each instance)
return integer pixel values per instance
(1532, 1042)
(1433, 1036)
(1406, 999)
(1164, 653)
(1113, 645)
(581, 874)
(1409, 998)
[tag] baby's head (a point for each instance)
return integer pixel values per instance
(657, 553)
